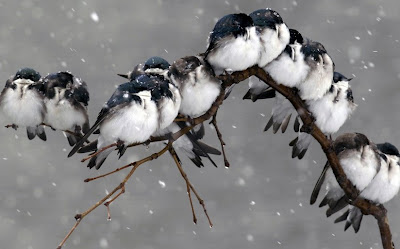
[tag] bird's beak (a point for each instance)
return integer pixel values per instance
(349, 79)
(124, 76)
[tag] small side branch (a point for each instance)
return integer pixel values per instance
(219, 135)
(121, 186)
(190, 187)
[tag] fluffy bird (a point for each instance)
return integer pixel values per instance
(22, 102)
(66, 100)
(197, 84)
(273, 32)
(154, 65)
(283, 69)
(130, 116)
(194, 78)
(360, 160)
(330, 113)
(305, 65)
(383, 187)
(233, 44)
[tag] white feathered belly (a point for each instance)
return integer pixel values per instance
(287, 72)
(236, 55)
(61, 115)
(25, 111)
(131, 124)
(169, 108)
(198, 98)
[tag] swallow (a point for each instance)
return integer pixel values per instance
(330, 112)
(22, 102)
(361, 161)
(66, 100)
(130, 116)
(233, 44)
(305, 65)
(383, 187)
(197, 84)
(273, 33)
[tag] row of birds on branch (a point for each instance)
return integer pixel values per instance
(58, 100)
(146, 106)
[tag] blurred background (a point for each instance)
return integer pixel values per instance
(261, 201)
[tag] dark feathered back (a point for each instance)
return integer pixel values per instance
(27, 73)
(266, 18)
(232, 24)
(388, 148)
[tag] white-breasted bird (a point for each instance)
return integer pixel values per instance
(383, 187)
(22, 102)
(273, 32)
(233, 44)
(330, 113)
(360, 160)
(197, 84)
(66, 100)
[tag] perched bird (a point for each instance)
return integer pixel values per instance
(330, 113)
(304, 64)
(66, 100)
(169, 99)
(22, 102)
(273, 32)
(383, 187)
(360, 160)
(153, 65)
(182, 72)
(283, 69)
(130, 116)
(197, 84)
(233, 44)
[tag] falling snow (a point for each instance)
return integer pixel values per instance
(94, 17)
(162, 184)
(103, 243)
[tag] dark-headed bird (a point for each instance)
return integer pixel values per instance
(22, 102)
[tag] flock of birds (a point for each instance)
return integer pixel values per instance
(156, 92)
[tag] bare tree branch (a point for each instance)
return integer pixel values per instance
(366, 207)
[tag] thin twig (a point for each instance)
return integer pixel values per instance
(185, 177)
(107, 204)
(178, 164)
(219, 135)
(135, 165)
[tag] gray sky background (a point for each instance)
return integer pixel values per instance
(260, 202)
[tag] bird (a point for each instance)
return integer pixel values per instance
(330, 112)
(383, 187)
(170, 97)
(153, 65)
(130, 116)
(360, 160)
(197, 84)
(282, 68)
(22, 102)
(233, 45)
(305, 65)
(181, 69)
(66, 100)
(273, 33)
